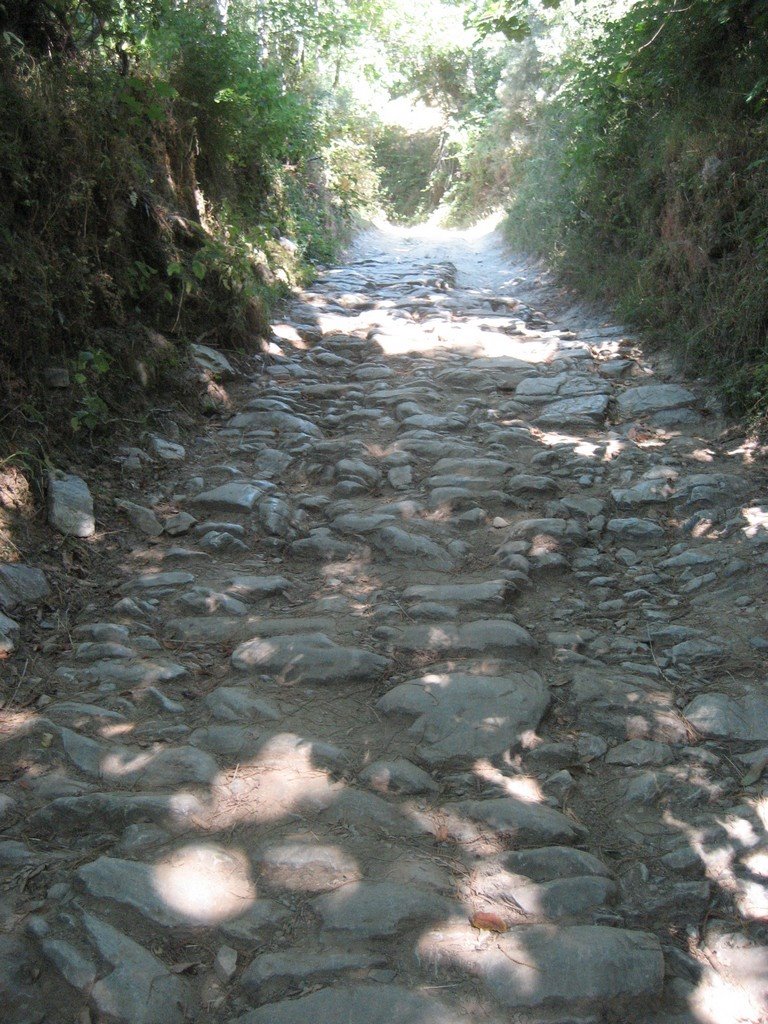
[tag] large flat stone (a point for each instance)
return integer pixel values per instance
(232, 497)
(398, 543)
(357, 1004)
(380, 909)
(274, 974)
(588, 411)
(491, 636)
(306, 867)
(202, 884)
(463, 715)
(20, 584)
(70, 505)
(139, 989)
(469, 594)
(310, 658)
(651, 398)
(505, 818)
(542, 966)
(732, 718)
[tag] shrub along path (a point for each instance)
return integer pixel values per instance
(428, 690)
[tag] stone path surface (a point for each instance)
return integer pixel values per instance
(429, 689)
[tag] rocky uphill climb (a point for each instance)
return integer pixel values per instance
(427, 688)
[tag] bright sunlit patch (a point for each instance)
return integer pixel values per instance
(205, 883)
(757, 521)
(521, 787)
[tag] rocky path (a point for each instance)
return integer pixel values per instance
(430, 689)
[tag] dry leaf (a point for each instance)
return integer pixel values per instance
(488, 922)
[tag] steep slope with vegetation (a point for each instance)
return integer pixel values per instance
(628, 144)
(166, 170)
(169, 166)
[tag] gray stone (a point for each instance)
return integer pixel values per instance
(76, 969)
(463, 715)
(381, 909)
(210, 602)
(256, 588)
(21, 585)
(70, 505)
(271, 463)
(140, 989)
(310, 658)
(225, 964)
(201, 883)
(489, 636)
(575, 412)
(236, 704)
(541, 966)
(732, 718)
(144, 519)
(181, 523)
(122, 672)
(177, 811)
(275, 517)
(274, 974)
(357, 1004)
(232, 497)
(554, 862)
(398, 543)
(160, 581)
(275, 420)
(640, 752)
(166, 450)
(216, 542)
(518, 822)
(639, 531)
(552, 900)
(652, 398)
(469, 594)
(398, 776)
(212, 361)
(306, 867)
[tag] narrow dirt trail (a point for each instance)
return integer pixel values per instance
(440, 699)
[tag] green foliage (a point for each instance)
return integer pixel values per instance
(645, 179)
(151, 153)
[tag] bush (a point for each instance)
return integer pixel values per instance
(646, 181)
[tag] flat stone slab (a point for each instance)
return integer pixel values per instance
(484, 636)
(213, 361)
(21, 584)
(274, 974)
(70, 505)
(733, 718)
(543, 966)
(140, 989)
(306, 867)
(357, 1004)
(380, 909)
(505, 818)
(398, 776)
(469, 594)
(575, 412)
(464, 715)
(550, 900)
(202, 884)
(398, 543)
(651, 398)
(310, 658)
(554, 862)
(232, 497)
